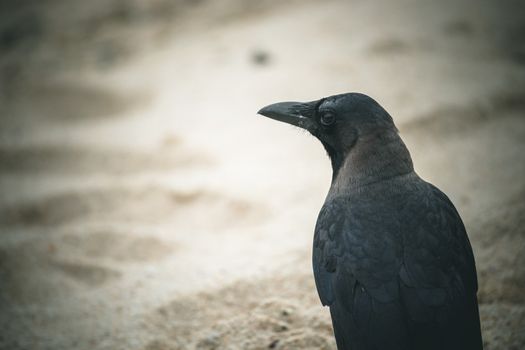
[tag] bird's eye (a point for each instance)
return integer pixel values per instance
(328, 119)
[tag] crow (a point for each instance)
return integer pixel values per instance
(391, 257)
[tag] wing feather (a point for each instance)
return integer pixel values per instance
(398, 272)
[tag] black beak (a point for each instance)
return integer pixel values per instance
(295, 113)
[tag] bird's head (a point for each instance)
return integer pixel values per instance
(338, 121)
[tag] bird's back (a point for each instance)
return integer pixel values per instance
(393, 262)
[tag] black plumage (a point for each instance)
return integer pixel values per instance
(391, 257)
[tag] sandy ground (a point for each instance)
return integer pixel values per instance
(144, 204)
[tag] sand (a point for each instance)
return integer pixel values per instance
(145, 205)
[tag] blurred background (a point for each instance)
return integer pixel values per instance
(145, 205)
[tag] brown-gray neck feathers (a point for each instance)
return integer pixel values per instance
(375, 157)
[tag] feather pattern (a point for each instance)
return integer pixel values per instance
(397, 273)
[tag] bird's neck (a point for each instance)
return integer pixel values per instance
(375, 157)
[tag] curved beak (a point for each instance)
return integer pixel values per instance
(295, 113)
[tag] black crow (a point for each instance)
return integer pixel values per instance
(391, 257)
